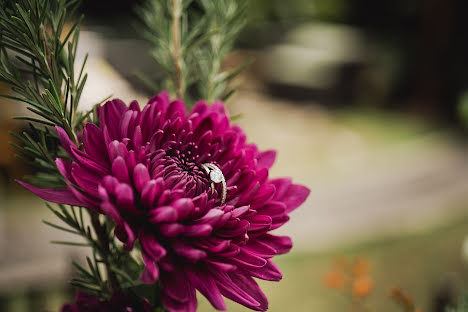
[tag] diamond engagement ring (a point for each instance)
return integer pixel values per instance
(216, 176)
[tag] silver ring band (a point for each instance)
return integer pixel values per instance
(216, 176)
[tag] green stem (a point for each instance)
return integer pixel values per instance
(176, 49)
(103, 241)
(57, 81)
(215, 65)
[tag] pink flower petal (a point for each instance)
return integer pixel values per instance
(179, 294)
(248, 259)
(249, 286)
(259, 248)
(56, 196)
(266, 159)
(152, 247)
(65, 140)
(190, 253)
(94, 144)
(110, 114)
(281, 186)
(65, 168)
(163, 214)
(110, 210)
(171, 229)
(87, 162)
(125, 234)
(295, 196)
(282, 244)
(269, 272)
(231, 290)
(183, 206)
(198, 230)
(207, 286)
(140, 176)
(120, 170)
(176, 109)
(150, 273)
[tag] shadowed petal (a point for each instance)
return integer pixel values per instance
(110, 210)
(176, 109)
(109, 116)
(56, 196)
(231, 290)
(207, 286)
(152, 246)
(65, 140)
(125, 234)
(150, 273)
(179, 294)
(94, 144)
(249, 286)
(65, 168)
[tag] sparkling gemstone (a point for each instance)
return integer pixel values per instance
(216, 175)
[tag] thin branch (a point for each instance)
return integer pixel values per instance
(103, 240)
(176, 48)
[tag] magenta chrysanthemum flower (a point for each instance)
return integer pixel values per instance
(146, 170)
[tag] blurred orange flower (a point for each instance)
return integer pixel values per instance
(361, 267)
(335, 279)
(354, 280)
(404, 300)
(362, 286)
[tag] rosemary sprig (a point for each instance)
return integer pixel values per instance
(91, 279)
(190, 39)
(227, 18)
(38, 46)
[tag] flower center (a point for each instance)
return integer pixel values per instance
(179, 170)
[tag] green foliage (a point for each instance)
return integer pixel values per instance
(190, 40)
(106, 252)
(38, 43)
(227, 18)
(463, 108)
(89, 279)
(110, 268)
(462, 305)
(40, 147)
(35, 43)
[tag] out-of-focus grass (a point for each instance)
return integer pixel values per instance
(419, 263)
